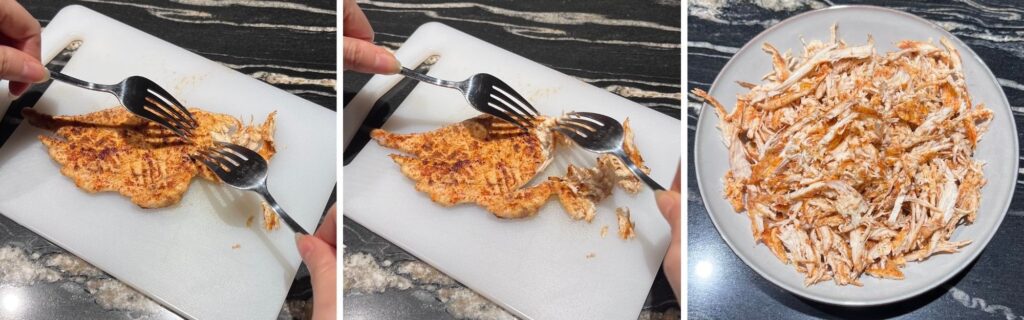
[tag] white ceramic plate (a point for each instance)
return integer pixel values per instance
(998, 149)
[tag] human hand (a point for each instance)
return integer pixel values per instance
(19, 48)
(669, 204)
(361, 55)
(319, 251)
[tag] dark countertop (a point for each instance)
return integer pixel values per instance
(291, 46)
(638, 59)
(988, 289)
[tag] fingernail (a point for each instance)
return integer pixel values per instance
(303, 246)
(46, 77)
(386, 61)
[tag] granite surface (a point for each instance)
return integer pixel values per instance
(289, 44)
(626, 47)
(727, 288)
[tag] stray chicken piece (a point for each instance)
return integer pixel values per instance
(115, 150)
(236, 246)
(625, 224)
(488, 161)
(850, 163)
(270, 221)
(604, 231)
(591, 255)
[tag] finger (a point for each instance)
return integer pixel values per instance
(669, 205)
(321, 260)
(675, 182)
(365, 57)
(16, 23)
(18, 88)
(18, 66)
(328, 231)
(355, 24)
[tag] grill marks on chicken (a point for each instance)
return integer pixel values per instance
(850, 163)
(486, 161)
(482, 160)
(114, 150)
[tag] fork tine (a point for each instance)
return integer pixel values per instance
(240, 150)
(504, 106)
(171, 113)
(210, 163)
(163, 111)
(230, 156)
(223, 160)
(145, 113)
(596, 117)
(504, 97)
(209, 154)
(590, 124)
(159, 91)
(580, 128)
(503, 116)
(512, 92)
(571, 134)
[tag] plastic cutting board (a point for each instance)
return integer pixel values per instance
(180, 256)
(537, 267)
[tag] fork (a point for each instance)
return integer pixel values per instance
(244, 169)
(600, 134)
(144, 98)
(489, 95)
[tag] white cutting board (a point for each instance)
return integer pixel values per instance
(181, 256)
(536, 267)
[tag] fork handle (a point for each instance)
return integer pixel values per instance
(428, 79)
(636, 171)
(79, 83)
(280, 212)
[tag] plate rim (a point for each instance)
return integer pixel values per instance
(863, 303)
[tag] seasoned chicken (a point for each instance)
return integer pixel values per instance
(483, 160)
(850, 163)
(486, 161)
(625, 224)
(115, 150)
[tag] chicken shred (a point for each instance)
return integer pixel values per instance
(849, 163)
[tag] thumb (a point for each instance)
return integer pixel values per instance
(668, 204)
(321, 260)
(366, 57)
(18, 66)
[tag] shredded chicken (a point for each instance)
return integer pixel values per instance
(850, 163)
(625, 224)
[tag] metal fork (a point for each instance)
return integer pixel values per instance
(144, 98)
(244, 169)
(601, 134)
(489, 95)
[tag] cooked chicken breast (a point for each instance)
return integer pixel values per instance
(114, 150)
(486, 161)
(482, 160)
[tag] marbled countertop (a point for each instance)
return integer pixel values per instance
(627, 47)
(728, 289)
(289, 44)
